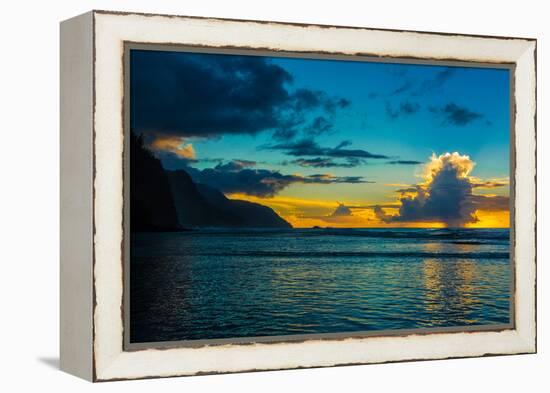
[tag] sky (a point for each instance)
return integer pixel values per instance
(332, 142)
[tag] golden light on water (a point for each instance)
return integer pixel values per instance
(449, 285)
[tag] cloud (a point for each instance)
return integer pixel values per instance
(404, 87)
(210, 95)
(406, 108)
(437, 82)
(320, 125)
(285, 133)
(321, 162)
(308, 147)
(404, 162)
(488, 184)
(445, 196)
(456, 115)
(409, 108)
(306, 99)
(236, 165)
(324, 178)
(344, 143)
(408, 190)
(341, 210)
(342, 215)
(381, 214)
(416, 88)
(490, 203)
(174, 145)
(346, 216)
(240, 176)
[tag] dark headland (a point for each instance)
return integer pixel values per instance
(163, 200)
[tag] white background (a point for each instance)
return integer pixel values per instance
(29, 197)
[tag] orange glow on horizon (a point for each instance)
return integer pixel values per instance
(307, 213)
(491, 219)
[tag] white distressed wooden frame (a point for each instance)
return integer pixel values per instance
(92, 47)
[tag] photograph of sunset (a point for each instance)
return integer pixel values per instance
(282, 196)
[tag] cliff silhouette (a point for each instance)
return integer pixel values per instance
(163, 200)
(151, 203)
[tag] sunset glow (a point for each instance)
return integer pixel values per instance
(305, 213)
(375, 145)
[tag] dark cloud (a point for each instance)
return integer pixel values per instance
(490, 184)
(446, 197)
(320, 125)
(208, 95)
(407, 190)
(285, 133)
(344, 143)
(404, 108)
(404, 87)
(240, 176)
(437, 82)
(456, 115)
(342, 213)
(404, 162)
(321, 162)
(490, 203)
(308, 147)
(382, 215)
(383, 206)
(341, 210)
(306, 99)
(328, 179)
(235, 165)
(409, 107)
(416, 88)
(343, 103)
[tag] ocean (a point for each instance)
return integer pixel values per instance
(231, 283)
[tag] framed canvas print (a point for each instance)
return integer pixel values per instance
(244, 195)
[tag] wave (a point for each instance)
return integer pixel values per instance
(460, 235)
(358, 254)
(440, 234)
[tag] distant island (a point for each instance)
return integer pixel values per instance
(163, 200)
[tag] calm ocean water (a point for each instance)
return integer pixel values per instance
(242, 283)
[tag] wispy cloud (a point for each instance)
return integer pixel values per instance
(435, 83)
(308, 147)
(405, 108)
(404, 87)
(322, 162)
(455, 114)
(415, 87)
(405, 162)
